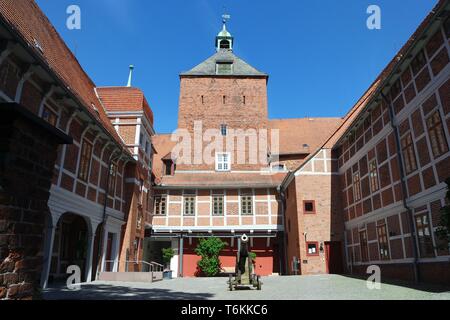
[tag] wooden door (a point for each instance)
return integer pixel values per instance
(333, 253)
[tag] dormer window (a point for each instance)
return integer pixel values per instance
(224, 68)
(169, 167)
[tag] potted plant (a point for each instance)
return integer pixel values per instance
(168, 254)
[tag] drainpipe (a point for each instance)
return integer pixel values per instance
(180, 253)
(283, 212)
(404, 188)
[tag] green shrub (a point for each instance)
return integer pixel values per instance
(168, 254)
(209, 251)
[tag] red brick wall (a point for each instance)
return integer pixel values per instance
(25, 173)
(414, 96)
(213, 112)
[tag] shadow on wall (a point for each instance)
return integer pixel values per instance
(335, 249)
(114, 292)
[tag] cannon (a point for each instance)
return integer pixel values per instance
(244, 273)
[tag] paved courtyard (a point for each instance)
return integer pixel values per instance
(321, 287)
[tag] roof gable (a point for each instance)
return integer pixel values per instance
(208, 67)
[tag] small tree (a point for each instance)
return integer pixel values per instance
(443, 230)
(168, 254)
(209, 250)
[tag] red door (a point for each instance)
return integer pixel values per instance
(333, 252)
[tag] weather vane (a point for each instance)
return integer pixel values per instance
(225, 17)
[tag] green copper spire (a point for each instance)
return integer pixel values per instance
(224, 40)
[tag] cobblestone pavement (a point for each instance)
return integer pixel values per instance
(320, 287)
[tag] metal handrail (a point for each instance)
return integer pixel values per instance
(153, 266)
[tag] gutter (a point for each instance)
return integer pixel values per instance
(404, 188)
(169, 187)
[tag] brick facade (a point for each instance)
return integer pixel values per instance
(239, 103)
(365, 189)
(29, 150)
(417, 95)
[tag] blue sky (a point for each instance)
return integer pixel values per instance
(320, 55)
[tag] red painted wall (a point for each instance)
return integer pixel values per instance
(264, 257)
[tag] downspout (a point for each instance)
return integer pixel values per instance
(180, 254)
(404, 188)
(283, 212)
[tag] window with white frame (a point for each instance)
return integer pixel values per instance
(189, 205)
(223, 162)
(160, 205)
(246, 205)
(218, 205)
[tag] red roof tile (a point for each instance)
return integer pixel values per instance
(30, 24)
(124, 99)
(163, 147)
(359, 107)
(302, 136)
(222, 180)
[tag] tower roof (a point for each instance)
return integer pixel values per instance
(240, 67)
(224, 32)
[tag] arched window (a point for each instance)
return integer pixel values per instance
(224, 44)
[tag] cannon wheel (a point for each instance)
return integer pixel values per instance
(230, 283)
(259, 283)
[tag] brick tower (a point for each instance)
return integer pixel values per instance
(220, 191)
(224, 93)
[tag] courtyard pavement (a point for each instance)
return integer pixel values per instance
(320, 287)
